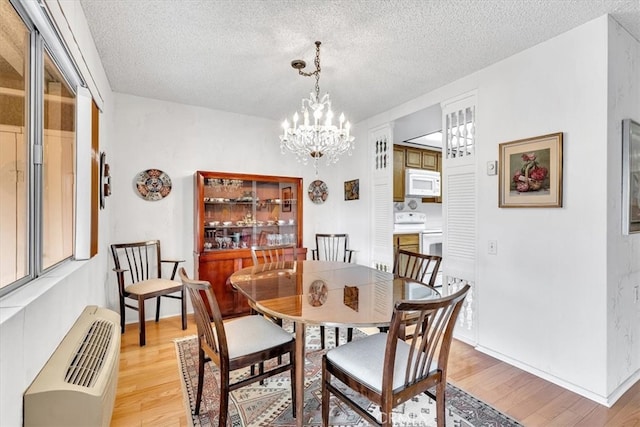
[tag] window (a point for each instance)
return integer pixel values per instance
(58, 167)
(37, 153)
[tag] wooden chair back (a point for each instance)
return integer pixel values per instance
(207, 313)
(435, 321)
(276, 253)
(419, 267)
(137, 261)
(138, 268)
(332, 247)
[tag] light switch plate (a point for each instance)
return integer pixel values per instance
(492, 167)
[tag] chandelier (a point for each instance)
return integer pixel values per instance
(313, 134)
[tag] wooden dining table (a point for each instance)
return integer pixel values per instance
(331, 294)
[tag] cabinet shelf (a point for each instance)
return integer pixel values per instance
(251, 203)
(222, 227)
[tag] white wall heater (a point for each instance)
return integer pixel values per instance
(77, 385)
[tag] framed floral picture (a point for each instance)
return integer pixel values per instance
(630, 176)
(530, 172)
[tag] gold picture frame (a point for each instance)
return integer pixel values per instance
(630, 176)
(530, 172)
(352, 189)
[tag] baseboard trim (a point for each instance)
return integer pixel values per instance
(607, 401)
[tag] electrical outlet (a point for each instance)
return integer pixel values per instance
(493, 247)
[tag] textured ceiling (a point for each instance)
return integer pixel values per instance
(235, 55)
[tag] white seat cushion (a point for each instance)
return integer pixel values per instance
(152, 285)
(363, 359)
(250, 334)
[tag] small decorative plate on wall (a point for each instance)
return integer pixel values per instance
(153, 184)
(318, 191)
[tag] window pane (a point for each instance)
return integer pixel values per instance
(14, 54)
(58, 166)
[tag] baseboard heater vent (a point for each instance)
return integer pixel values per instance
(77, 385)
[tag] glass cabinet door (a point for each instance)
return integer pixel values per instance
(241, 211)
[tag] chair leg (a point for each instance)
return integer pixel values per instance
(349, 334)
(440, 399)
(200, 380)
(224, 398)
(157, 309)
(261, 371)
(141, 320)
(122, 314)
(292, 358)
(322, 337)
(326, 377)
(386, 413)
(337, 336)
(184, 309)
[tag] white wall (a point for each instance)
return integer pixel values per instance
(180, 139)
(539, 305)
(623, 252)
(546, 299)
(34, 319)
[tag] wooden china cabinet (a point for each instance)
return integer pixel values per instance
(234, 212)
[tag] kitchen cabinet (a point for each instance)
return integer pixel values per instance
(431, 160)
(413, 158)
(408, 242)
(398, 173)
(232, 212)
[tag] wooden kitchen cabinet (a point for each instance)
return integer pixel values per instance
(413, 158)
(232, 212)
(407, 242)
(430, 160)
(398, 173)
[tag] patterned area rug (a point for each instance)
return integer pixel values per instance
(270, 404)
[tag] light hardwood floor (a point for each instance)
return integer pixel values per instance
(149, 391)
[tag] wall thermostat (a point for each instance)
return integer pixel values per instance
(492, 167)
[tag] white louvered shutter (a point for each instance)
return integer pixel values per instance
(381, 147)
(459, 207)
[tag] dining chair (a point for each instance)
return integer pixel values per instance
(235, 344)
(273, 253)
(138, 268)
(422, 268)
(332, 247)
(389, 371)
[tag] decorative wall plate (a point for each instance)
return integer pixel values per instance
(318, 191)
(153, 184)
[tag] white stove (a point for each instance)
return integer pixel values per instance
(416, 222)
(409, 222)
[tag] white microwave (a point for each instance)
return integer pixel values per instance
(422, 183)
